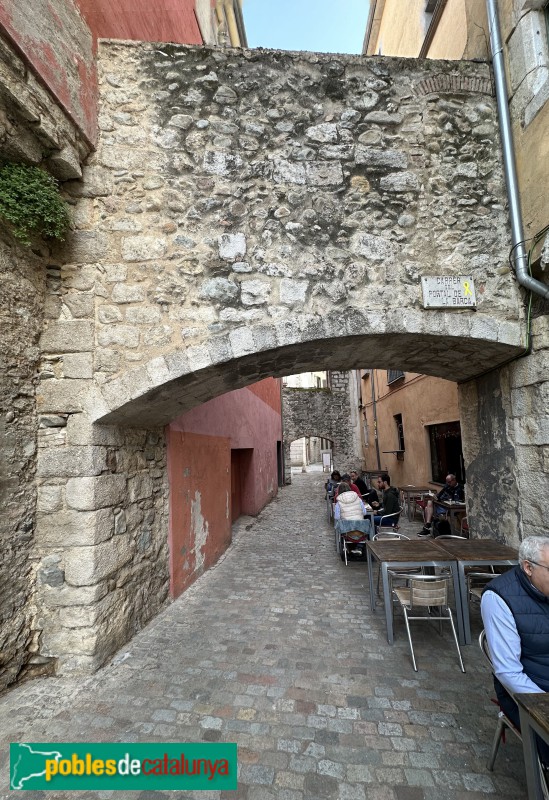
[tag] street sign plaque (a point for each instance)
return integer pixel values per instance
(445, 291)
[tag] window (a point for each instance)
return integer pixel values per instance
(400, 432)
(446, 453)
(394, 375)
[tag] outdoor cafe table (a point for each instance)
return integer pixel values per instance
(452, 507)
(534, 718)
(404, 553)
(475, 553)
(412, 491)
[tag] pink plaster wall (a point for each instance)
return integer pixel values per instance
(249, 421)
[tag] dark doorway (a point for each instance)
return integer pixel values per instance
(280, 463)
(240, 470)
(446, 452)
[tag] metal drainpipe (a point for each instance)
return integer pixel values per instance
(520, 257)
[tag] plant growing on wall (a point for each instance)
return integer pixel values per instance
(31, 204)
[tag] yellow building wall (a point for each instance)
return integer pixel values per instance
(422, 401)
(450, 39)
(402, 29)
(462, 31)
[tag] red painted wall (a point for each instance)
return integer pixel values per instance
(241, 428)
(200, 526)
(143, 20)
(55, 41)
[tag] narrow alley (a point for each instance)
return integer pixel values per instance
(276, 648)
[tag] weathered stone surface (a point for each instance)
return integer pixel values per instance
(67, 337)
(78, 365)
(219, 289)
(376, 159)
(84, 567)
(88, 494)
(66, 462)
(143, 248)
(232, 246)
(61, 396)
(72, 528)
(85, 247)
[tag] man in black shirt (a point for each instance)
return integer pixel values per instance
(368, 495)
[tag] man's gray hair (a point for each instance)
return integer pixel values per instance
(531, 547)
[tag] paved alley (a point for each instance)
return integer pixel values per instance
(276, 648)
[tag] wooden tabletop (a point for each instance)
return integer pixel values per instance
(413, 550)
(537, 705)
(414, 489)
(481, 549)
(451, 504)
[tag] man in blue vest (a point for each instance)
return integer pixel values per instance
(515, 612)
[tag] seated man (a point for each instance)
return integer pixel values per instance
(346, 478)
(452, 490)
(369, 496)
(515, 612)
(390, 501)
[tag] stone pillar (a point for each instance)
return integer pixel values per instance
(505, 434)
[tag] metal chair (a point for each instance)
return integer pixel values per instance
(392, 535)
(389, 522)
(352, 540)
(426, 591)
(504, 724)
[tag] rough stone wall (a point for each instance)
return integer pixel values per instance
(22, 291)
(241, 202)
(505, 434)
(101, 540)
(33, 129)
(322, 412)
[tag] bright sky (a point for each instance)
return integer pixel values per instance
(322, 26)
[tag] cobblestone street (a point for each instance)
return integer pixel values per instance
(276, 648)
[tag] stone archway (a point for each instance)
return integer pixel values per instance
(247, 214)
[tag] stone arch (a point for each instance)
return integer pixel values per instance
(463, 347)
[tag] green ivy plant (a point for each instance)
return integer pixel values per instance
(31, 204)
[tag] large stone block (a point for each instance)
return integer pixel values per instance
(71, 336)
(78, 365)
(143, 248)
(64, 396)
(68, 462)
(85, 247)
(73, 528)
(87, 494)
(85, 566)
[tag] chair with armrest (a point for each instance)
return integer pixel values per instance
(352, 535)
(504, 724)
(426, 592)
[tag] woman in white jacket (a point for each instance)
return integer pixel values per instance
(349, 516)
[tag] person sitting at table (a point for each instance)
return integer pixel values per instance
(333, 482)
(453, 491)
(346, 478)
(349, 513)
(369, 496)
(390, 500)
(515, 613)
